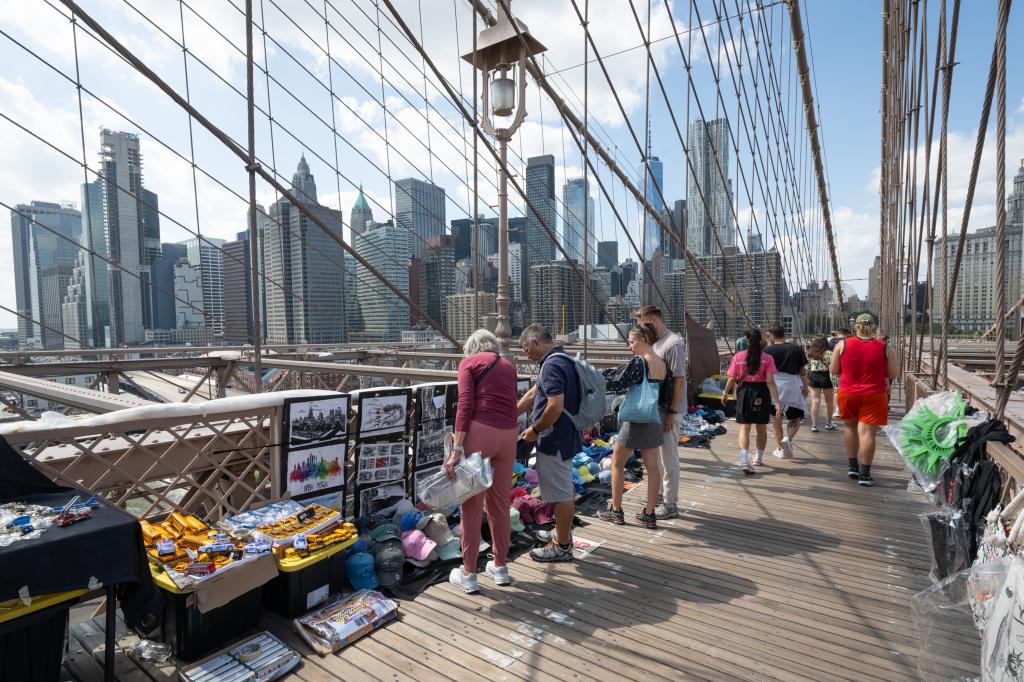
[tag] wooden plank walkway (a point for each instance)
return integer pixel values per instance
(796, 573)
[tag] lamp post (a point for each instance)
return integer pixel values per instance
(500, 55)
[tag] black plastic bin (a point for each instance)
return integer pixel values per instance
(297, 590)
(192, 634)
(32, 646)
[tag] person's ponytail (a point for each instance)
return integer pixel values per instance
(753, 337)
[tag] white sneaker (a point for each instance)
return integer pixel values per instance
(500, 575)
(466, 582)
(779, 452)
(788, 445)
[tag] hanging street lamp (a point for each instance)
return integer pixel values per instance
(501, 55)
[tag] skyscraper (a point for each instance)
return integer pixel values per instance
(607, 254)
(487, 236)
(577, 202)
(74, 308)
(360, 214)
(43, 235)
(206, 256)
(437, 276)
(558, 303)
(653, 189)
(708, 191)
(419, 208)
(388, 250)
(307, 303)
(114, 225)
(676, 218)
(163, 285)
(540, 192)
(1015, 202)
(237, 292)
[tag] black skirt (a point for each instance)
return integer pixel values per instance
(753, 403)
(819, 380)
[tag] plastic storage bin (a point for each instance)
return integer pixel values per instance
(32, 638)
(192, 634)
(305, 583)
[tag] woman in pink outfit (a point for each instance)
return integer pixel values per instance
(485, 423)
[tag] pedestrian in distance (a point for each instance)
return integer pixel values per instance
(752, 383)
(820, 381)
(485, 423)
(670, 348)
(557, 440)
(647, 435)
(866, 367)
(791, 381)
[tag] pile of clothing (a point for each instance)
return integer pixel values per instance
(699, 425)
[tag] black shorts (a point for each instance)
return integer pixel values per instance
(794, 413)
(819, 379)
(753, 403)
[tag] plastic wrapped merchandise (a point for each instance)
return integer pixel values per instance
(1002, 645)
(951, 542)
(927, 435)
(984, 582)
(473, 475)
(948, 644)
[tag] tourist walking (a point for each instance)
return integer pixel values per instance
(486, 423)
(649, 391)
(791, 380)
(556, 391)
(820, 381)
(866, 367)
(752, 383)
(670, 348)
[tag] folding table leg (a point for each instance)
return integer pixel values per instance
(111, 636)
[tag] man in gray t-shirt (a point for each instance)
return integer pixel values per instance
(672, 350)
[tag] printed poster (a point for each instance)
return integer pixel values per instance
(377, 462)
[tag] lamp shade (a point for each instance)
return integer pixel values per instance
(503, 96)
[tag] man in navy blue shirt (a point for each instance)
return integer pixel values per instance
(555, 393)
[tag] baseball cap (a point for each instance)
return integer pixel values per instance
(865, 319)
(606, 464)
(388, 559)
(594, 468)
(517, 522)
(410, 520)
(518, 469)
(585, 474)
(450, 550)
(531, 477)
(359, 569)
(605, 477)
(525, 508)
(435, 527)
(417, 545)
(544, 513)
(385, 531)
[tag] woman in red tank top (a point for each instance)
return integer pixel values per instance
(866, 365)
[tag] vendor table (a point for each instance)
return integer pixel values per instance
(104, 551)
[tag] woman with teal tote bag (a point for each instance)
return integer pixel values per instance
(643, 380)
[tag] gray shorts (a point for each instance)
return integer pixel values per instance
(554, 475)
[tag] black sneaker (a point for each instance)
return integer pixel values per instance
(853, 471)
(648, 520)
(865, 480)
(612, 516)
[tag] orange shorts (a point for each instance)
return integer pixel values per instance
(866, 409)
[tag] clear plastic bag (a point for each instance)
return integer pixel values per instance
(473, 475)
(948, 644)
(928, 433)
(1002, 651)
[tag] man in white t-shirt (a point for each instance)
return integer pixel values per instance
(670, 348)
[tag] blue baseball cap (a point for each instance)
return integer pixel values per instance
(360, 571)
(410, 520)
(605, 477)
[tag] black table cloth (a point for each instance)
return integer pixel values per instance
(103, 550)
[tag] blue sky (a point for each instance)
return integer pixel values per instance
(845, 38)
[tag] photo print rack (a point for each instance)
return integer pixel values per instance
(380, 448)
(436, 404)
(314, 448)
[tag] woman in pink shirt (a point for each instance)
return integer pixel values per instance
(752, 376)
(486, 423)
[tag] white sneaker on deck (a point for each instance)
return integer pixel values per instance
(465, 582)
(499, 574)
(787, 446)
(779, 452)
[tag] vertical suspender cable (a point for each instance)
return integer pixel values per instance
(251, 168)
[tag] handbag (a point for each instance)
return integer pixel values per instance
(641, 403)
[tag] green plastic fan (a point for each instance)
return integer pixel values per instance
(928, 439)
